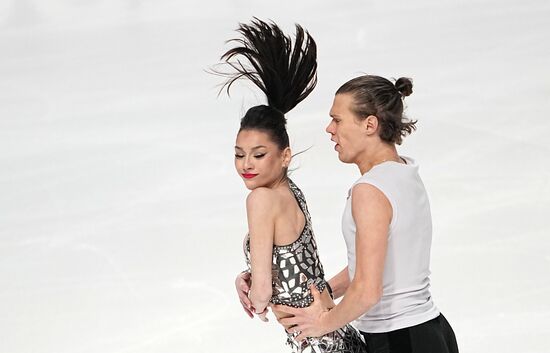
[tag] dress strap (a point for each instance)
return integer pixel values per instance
(300, 199)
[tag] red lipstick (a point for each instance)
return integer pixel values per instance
(249, 175)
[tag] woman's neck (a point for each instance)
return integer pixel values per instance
(282, 181)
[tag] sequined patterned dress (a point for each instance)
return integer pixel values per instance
(294, 268)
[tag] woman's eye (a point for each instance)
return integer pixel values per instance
(259, 155)
(239, 156)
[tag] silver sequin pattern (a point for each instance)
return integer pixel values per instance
(295, 267)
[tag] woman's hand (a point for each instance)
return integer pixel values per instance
(263, 315)
(308, 321)
(242, 285)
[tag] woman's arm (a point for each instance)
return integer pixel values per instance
(372, 213)
(339, 283)
(261, 227)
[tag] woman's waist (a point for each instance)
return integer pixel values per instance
(296, 291)
(326, 300)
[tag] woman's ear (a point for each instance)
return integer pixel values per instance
(287, 156)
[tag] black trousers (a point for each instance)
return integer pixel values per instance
(434, 336)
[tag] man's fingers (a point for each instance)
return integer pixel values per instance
(315, 293)
(288, 321)
(301, 337)
(299, 330)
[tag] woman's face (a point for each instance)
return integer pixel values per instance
(258, 160)
(345, 129)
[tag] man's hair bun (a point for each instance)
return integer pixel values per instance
(405, 86)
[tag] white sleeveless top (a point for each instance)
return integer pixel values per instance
(406, 300)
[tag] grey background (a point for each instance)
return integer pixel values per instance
(121, 215)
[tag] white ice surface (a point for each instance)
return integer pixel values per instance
(121, 217)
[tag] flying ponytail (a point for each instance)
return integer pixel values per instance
(286, 72)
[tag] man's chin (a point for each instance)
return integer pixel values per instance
(342, 158)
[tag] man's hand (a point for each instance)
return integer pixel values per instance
(242, 284)
(308, 321)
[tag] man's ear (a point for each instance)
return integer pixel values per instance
(370, 124)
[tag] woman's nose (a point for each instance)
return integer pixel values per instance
(248, 164)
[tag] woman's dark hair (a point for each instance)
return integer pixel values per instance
(375, 95)
(286, 73)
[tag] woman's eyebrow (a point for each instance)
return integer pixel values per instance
(253, 148)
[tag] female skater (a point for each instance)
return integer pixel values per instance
(387, 228)
(280, 248)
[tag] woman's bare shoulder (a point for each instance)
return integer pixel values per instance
(263, 200)
(269, 199)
